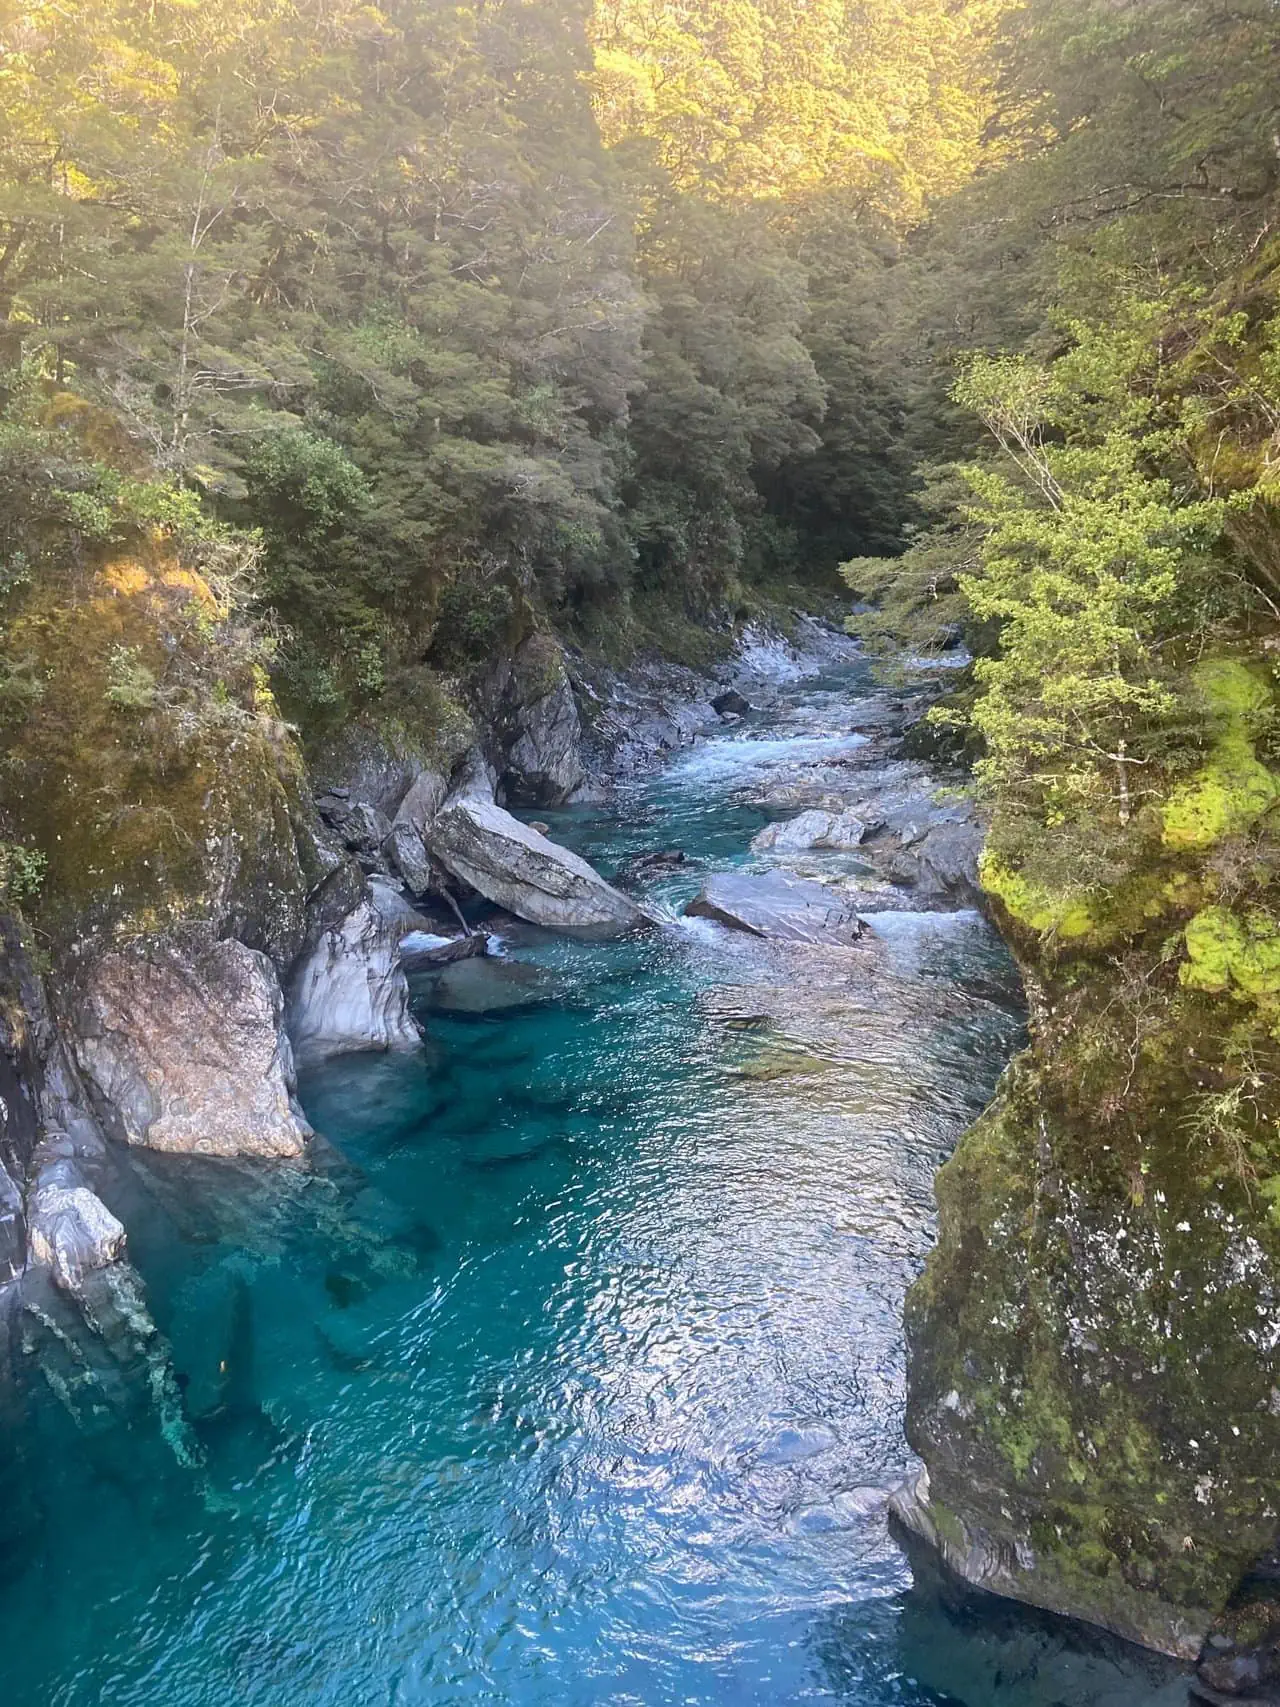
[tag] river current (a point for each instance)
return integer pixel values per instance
(575, 1374)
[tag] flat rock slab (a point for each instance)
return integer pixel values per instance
(517, 868)
(813, 829)
(777, 904)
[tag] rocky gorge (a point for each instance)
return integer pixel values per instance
(405, 867)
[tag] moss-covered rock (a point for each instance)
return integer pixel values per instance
(1235, 788)
(1094, 1377)
(1094, 1372)
(149, 770)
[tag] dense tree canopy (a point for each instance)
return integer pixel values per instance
(369, 286)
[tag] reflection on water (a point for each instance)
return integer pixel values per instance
(574, 1374)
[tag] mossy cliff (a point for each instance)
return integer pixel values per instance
(1094, 1362)
(159, 850)
(147, 777)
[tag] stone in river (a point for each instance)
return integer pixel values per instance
(812, 829)
(348, 991)
(777, 904)
(70, 1230)
(524, 872)
(486, 985)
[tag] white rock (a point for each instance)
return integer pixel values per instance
(69, 1228)
(184, 1043)
(349, 992)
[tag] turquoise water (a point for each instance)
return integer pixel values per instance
(575, 1373)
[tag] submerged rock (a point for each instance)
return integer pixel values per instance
(777, 904)
(348, 992)
(513, 866)
(837, 831)
(640, 868)
(487, 985)
(184, 1044)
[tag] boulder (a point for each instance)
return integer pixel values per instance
(407, 855)
(348, 991)
(839, 831)
(777, 904)
(425, 798)
(544, 753)
(400, 913)
(516, 868)
(69, 1229)
(404, 846)
(183, 1043)
(421, 951)
(12, 1227)
(941, 863)
(642, 867)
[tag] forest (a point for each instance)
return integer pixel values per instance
(370, 373)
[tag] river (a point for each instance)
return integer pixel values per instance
(575, 1374)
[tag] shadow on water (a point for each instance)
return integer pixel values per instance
(943, 1645)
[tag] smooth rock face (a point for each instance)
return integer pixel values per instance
(390, 903)
(185, 1046)
(777, 904)
(404, 846)
(69, 1228)
(814, 829)
(425, 798)
(349, 992)
(516, 868)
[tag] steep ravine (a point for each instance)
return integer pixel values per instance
(620, 1222)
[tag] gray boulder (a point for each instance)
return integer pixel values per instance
(404, 846)
(816, 828)
(348, 991)
(407, 855)
(425, 798)
(517, 868)
(938, 864)
(183, 1042)
(777, 904)
(544, 753)
(69, 1229)
(391, 904)
(12, 1227)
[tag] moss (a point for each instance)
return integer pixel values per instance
(1033, 905)
(1237, 955)
(1088, 1371)
(1235, 788)
(153, 775)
